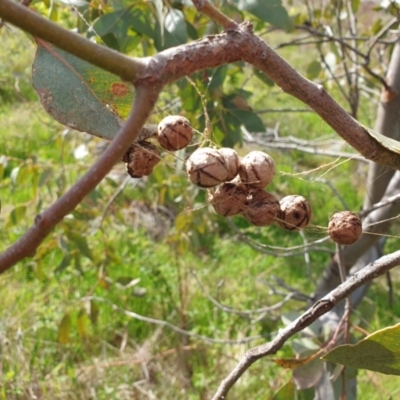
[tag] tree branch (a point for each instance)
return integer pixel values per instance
(321, 307)
(101, 56)
(235, 45)
(212, 12)
(44, 223)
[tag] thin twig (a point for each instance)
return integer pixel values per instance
(390, 200)
(216, 15)
(310, 147)
(243, 313)
(322, 306)
(174, 327)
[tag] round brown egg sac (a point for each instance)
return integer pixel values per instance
(295, 213)
(141, 158)
(262, 208)
(228, 199)
(257, 169)
(174, 133)
(232, 161)
(207, 167)
(345, 227)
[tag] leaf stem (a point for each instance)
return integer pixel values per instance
(216, 15)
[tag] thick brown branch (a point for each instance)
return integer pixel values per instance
(234, 45)
(242, 44)
(321, 307)
(103, 57)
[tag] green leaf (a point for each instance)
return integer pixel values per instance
(270, 11)
(16, 215)
(286, 392)
(308, 375)
(313, 69)
(190, 99)
(248, 118)
(111, 22)
(82, 324)
(260, 75)
(64, 329)
(80, 242)
(78, 94)
(158, 5)
(355, 4)
(94, 312)
(115, 29)
(379, 352)
(45, 177)
(175, 24)
(218, 77)
(141, 23)
(65, 263)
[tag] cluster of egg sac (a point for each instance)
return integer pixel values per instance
(173, 133)
(236, 186)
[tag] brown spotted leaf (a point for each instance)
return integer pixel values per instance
(79, 95)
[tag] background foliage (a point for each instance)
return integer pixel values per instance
(136, 244)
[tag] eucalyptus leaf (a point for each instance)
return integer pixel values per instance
(78, 94)
(271, 11)
(64, 329)
(175, 24)
(379, 352)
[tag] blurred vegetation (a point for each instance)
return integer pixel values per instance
(137, 245)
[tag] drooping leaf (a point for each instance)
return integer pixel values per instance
(313, 69)
(324, 390)
(308, 375)
(251, 121)
(218, 77)
(158, 5)
(114, 28)
(355, 4)
(82, 323)
(94, 312)
(141, 23)
(64, 329)
(271, 11)
(286, 392)
(175, 24)
(78, 94)
(80, 242)
(65, 263)
(16, 215)
(379, 352)
(263, 77)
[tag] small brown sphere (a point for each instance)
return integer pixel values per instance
(174, 133)
(207, 167)
(295, 213)
(345, 227)
(257, 169)
(141, 158)
(262, 208)
(228, 199)
(232, 161)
